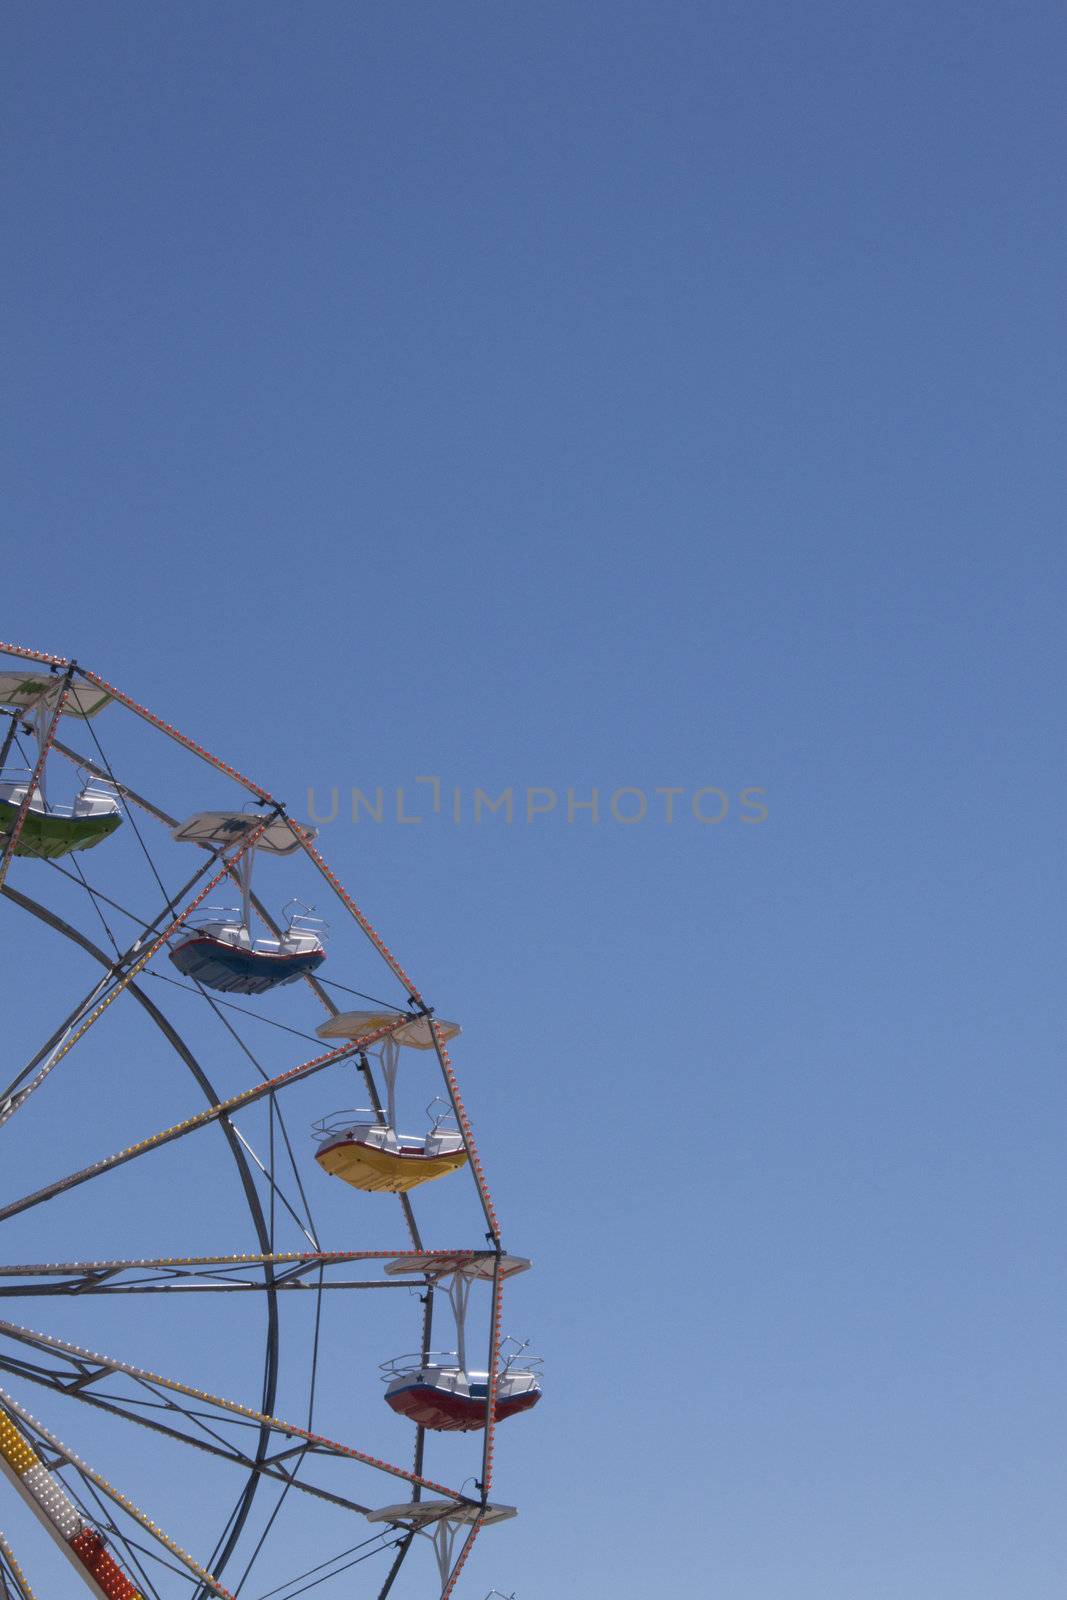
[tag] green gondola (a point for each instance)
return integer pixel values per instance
(48, 834)
(50, 830)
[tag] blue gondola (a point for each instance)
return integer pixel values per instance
(221, 955)
(219, 950)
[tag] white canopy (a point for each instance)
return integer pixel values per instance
(416, 1033)
(221, 828)
(438, 1265)
(420, 1511)
(25, 691)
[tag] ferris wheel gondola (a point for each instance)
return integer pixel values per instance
(365, 1149)
(42, 828)
(221, 950)
(439, 1390)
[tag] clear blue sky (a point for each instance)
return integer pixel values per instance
(623, 395)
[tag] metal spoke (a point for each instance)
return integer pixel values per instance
(250, 1286)
(196, 1274)
(236, 1102)
(280, 1258)
(52, 1052)
(128, 1410)
(323, 1445)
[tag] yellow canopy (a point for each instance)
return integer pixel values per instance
(416, 1033)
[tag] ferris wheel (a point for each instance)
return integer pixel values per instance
(206, 1263)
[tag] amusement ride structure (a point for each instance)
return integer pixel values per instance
(172, 1300)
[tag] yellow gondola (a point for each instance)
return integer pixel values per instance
(358, 1158)
(363, 1148)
